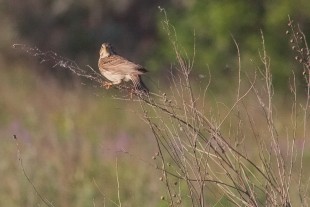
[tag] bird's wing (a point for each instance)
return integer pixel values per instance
(118, 64)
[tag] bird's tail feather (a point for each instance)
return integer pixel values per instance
(139, 85)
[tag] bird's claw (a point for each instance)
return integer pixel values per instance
(107, 85)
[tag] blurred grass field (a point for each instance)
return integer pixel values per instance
(70, 138)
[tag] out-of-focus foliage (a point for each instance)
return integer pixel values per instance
(213, 24)
(76, 29)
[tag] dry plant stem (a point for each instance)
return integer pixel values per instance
(163, 162)
(103, 195)
(300, 47)
(159, 143)
(294, 123)
(62, 62)
(118, 188)
(183, 168)
(217, 135)
(276, 181)
(239, 67)
(174, 116)
(185, 122)
(281, 168)
(307, 79)
(186, 70)
(19, 156)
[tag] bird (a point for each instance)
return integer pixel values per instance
(118, 69)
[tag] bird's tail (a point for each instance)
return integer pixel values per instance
(139, 85)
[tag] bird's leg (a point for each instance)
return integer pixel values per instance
(107, 85)
(131, 92)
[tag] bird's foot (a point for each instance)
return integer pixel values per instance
(106, 84)
(132, 91)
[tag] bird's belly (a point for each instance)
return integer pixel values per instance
(115, 77)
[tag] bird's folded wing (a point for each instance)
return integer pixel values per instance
(120, 65)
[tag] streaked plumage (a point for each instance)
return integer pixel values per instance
(117, 69)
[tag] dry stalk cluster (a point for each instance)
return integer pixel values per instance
(226, 158)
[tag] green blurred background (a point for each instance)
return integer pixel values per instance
(70, 134)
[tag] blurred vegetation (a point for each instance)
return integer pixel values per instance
(214, 24)
(69, 139)
(76, 29)
(69, 134)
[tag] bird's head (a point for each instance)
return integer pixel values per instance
(106, 50)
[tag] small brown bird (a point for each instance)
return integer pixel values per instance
(117, 69)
